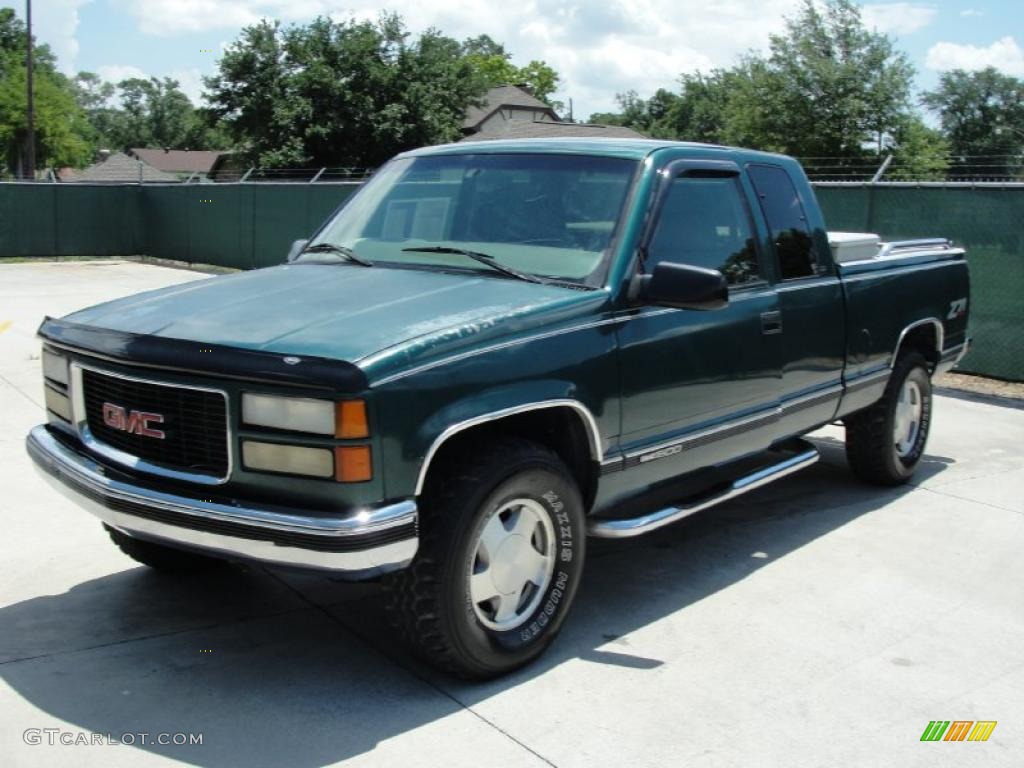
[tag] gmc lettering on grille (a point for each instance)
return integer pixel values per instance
(133, 422)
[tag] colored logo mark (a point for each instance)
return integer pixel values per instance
(958, 730)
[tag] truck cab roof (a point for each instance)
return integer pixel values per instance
(608, 147)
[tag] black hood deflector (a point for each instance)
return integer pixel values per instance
(206, 359)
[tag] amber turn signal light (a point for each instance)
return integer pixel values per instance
(350, 420)
(352, 464)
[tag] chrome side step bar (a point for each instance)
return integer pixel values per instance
(634, 526)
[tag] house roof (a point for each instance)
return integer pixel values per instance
(503, 96)
(178, 160)
(120, 168)
(539, 129)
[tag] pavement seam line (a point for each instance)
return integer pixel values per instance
(973, 501)
(13, 386)
(415, 673)
(171, 633)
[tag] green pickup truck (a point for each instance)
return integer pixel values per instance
(489, 353)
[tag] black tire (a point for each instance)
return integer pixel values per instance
(160, 557)
(870, 443)
(430, 602)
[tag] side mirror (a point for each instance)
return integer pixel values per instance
(295, 250)
(682, 286)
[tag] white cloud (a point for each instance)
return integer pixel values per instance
(598, 46)
(897, 18)
(191, 83)
(55, 23)
(189, 80)
(170, 17)
(115, 73)
(972, 13)
(1004, 54)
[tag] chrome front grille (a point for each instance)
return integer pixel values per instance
(189, 437)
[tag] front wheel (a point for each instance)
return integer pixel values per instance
(885, 442)
(500, 559)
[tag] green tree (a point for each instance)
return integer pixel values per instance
(919, 153)
(494, 65)
(982, 113)
(62, 130)
(151, 112)
(157, 113)
(827, 87)
(835, 84)
(350, 93)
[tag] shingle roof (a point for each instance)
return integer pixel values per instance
(538, 129)
(120, 167)
(178, 160)
(503, 96)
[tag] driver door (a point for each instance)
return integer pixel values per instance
(701, 387)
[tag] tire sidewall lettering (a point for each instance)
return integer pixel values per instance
(568, 540)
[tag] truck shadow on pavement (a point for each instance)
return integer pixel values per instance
(292, 670)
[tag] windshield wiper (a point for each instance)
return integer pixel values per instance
(483, 258)
(341, 250)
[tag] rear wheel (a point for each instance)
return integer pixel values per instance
(160, 557)
(500, 558)
(885, 442)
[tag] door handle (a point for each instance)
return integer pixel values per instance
(771, 323)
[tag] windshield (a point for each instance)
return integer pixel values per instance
(546, 214)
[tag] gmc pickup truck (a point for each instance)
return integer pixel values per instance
(489, 353)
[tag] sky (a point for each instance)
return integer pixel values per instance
(599, 48)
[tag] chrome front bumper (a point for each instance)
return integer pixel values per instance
(361, 544)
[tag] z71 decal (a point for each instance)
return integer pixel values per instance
(957, 309)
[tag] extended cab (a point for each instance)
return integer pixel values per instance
(489, 353)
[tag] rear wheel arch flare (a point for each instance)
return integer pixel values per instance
(925, 336)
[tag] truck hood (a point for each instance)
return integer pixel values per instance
(342, 312)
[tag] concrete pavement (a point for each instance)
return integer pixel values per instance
(817, 622)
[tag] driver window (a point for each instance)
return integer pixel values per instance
(704, 222)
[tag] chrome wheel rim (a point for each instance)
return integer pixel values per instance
(909, 409)
(512, 564)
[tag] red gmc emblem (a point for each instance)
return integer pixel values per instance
(134, 422)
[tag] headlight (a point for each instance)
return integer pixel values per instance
(298, 414)
(55, 387)
(55, 367)
(345, 420)
(288, 459)
(57, 403)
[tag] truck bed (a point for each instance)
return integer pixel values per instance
(923, 286)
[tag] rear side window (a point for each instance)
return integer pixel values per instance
(704, 222)
(786, 219)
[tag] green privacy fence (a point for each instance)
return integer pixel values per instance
(987, 219)
(233, 225)
(252, 225)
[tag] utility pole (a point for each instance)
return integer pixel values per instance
(30, 116)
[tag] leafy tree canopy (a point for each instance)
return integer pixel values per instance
(62, 130)
(494, 63)
(982, 114)
(348, 93)
(827, 87)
